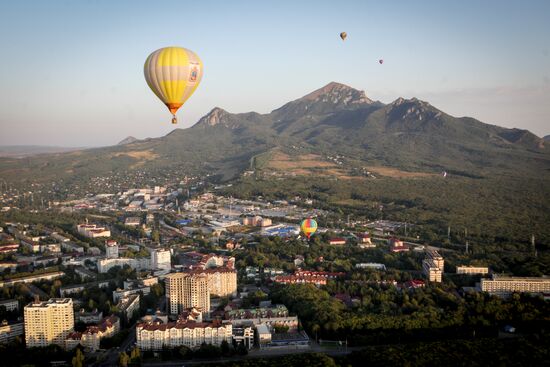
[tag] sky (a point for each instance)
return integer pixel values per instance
(71, 72)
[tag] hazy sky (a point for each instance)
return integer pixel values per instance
(71, 72)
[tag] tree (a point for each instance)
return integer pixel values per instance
(135, 355)
(224, 346)
(184, 352)
(78, 359)
(241, 349)
(123, 359)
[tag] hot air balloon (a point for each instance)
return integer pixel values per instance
(173, 74)
(343, 36)
(308, 227)
(380, 61)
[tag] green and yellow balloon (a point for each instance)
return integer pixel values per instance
(308, 227)
(173, 74)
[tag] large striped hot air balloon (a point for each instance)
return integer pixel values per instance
(173, 74)
(308, 227)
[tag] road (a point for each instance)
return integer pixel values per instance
(111, 358)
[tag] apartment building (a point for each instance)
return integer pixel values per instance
(222, 281)
(185, 290)
(505, 285)
(48, 322)
(156, 335)
(472, 270)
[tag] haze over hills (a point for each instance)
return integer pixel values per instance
(18, 151)
(408, 134)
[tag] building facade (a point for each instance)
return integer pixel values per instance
(48, 322)
(128, 305)
(432, 266)
(472, 269)
(222, 281)
(93, 231)
(10, 304)
(91, 337)
(161, 259)
(9, 331)
(432, 272)
(504, 285)
(184, 291)
(111, 249)
(156, 335)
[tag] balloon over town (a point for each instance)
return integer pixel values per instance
(173, 74)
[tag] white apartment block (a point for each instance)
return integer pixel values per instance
(48, 322)
(161, 259)
(10, 304)
(437, 259)
(104, 265)
(504, 285)
(111, 249)
(472, 269)
(8, 332)
(153, 336)
(128, 305)
(432, 271)
(92, 231)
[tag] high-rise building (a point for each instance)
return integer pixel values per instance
(161, 260)
(222, 281)
(111, 249)
(184, 291)
(48, 322)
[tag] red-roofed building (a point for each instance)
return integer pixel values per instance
(396, 245)
(90, 338)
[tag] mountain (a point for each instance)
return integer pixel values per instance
(127, 140)
(546, 138)
(305, 137)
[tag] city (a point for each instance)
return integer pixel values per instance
(257, 184)
(154, 274)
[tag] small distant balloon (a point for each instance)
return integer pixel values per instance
(343, 36)
(308, 227)
(380, 61)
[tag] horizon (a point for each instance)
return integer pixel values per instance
(88, 83)
(193, 124)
